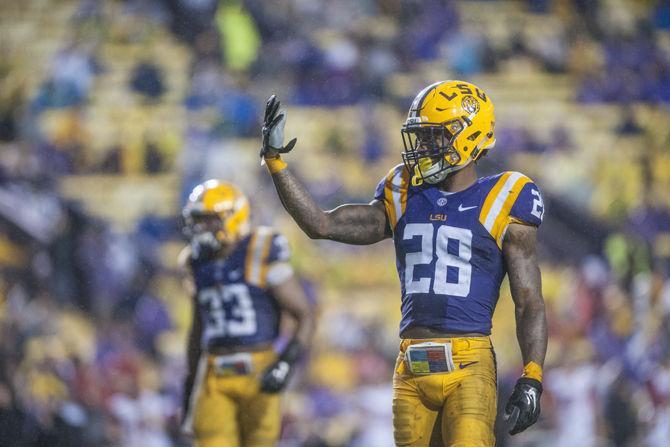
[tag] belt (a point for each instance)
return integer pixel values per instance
(457, 343)
(238, 364)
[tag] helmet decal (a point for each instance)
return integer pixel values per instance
(470, 104)
(417, 104)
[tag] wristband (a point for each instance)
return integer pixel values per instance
(532, 371)
(292, 352)
(275, 164)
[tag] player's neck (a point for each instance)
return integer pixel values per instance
(226, 250)
(460, 180)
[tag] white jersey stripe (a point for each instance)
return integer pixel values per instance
(262, 233)
(500, 200)
(397, 196)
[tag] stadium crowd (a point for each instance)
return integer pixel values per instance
(92, 315)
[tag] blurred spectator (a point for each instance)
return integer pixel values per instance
(661, 15)
(191, 18)
(628, 124)
(74, 66)
(465, 52)
(620, 414)
(12, 102)
(111, 163)
(240, 40)
(154, 162)
(147, 80)
(54, 95)
(573, 386)
(16, 427)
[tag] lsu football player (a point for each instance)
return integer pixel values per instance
(456, 235)
(241, 282)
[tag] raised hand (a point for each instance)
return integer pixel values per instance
(273, 130)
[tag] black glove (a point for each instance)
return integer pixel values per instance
(275, 378)
(273, 130)
(523, 407)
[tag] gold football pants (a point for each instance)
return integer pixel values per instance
(230, 411)
(465, 397)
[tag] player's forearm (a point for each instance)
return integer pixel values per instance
(305, 329)
(193, 352)
(299, 203)
(531, 331)
(358, 224)
(525, 280)
(292, 299)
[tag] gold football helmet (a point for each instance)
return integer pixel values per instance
(449, 125)
(217, 213)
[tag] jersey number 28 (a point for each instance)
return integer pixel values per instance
(460, 261)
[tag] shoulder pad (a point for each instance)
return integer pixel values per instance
(184, 259)
(392, 191)
(265, 247)
(512, 197)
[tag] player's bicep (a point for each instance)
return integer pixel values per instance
(520, 254)
(381, 209)
(196, 321)
(188, 282)
(359, 223)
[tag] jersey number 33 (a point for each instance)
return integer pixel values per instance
(231, 311)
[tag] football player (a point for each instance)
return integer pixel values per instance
(241, 282)
(456, 235)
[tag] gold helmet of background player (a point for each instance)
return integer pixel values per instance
(449, 125)
(220, 202)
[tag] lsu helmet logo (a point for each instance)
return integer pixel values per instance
(470, 104)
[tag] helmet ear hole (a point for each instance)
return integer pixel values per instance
(474, 136)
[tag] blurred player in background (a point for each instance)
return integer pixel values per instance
(241, 281)
(456, 236)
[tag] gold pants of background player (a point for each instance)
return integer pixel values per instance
(466, 398)
(231, 411)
